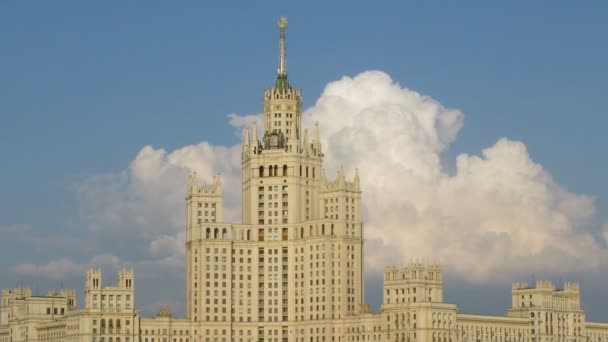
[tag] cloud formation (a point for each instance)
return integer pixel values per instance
(25, 234)
(55, 270)
(500, 211)
(65, 268)
(496, 213)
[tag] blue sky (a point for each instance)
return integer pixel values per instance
(85, 86)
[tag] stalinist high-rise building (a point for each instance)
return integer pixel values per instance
(292, 271)
(297, 256)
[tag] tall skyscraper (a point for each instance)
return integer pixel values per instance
(297, 256)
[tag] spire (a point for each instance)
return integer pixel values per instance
(246, 136)
(340, 178)
(217, 183)
(192, 183)
(246, 144)
(282, 85)
(254, 137)
(282, 24)
(292, 140)
(317, 141)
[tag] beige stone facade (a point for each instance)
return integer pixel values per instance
(292, 271)
(108, 313)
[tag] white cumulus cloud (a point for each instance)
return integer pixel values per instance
(498, 211)
(54, 270)
(64, 268)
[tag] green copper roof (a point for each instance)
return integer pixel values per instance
(282, 84)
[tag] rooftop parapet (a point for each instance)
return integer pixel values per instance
(415, 269)
(194, 188)
(17, 292)
(340, 183)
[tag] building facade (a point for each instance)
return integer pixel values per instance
(108, 313)
(292, 271)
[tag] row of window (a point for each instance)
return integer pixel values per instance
(110, 339)
(287, 115)
(273, 171)
(278, 123)
(164, 339)
(55, 311)
(111, 323)
(111, 297)
(200, 213)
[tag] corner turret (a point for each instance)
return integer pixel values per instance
(204, 202)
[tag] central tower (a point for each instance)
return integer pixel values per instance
(284, 158)
(282, 104)
(292, 271)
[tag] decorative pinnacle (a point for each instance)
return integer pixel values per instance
(282, 24)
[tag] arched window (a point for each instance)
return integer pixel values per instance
(208, 235)
(313, 172)
(261, 171)
(216, 233)
(276, 170)
(323, 229)
(270, 170)
(248, 235)
(302, 232)
(307, 172)
(310, 231)
(103, 323)
(300, 170)
(224, 234)
(284, 170)
(332, 229)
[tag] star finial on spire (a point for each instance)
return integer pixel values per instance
(282, 24)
